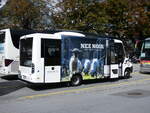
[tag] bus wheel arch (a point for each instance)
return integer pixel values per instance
(76, 79)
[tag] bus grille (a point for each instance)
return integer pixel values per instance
(15, 66)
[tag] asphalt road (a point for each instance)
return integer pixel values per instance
(103, 96)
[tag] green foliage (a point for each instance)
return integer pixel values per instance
(117, 11)
(125, 19)
(22, 13)
(84, 15)
(130, 19)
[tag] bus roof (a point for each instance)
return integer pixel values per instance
(17, 33)
(20, 32)
(147, 38)
(69, 33)
(48, 35)
(41, 35)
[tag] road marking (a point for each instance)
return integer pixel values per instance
(135, 73)
(83, 89)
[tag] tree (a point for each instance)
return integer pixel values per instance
(25, 14)
(128, 19)
(140, 21)
(84, 15)
(0, 18)
(117, 11)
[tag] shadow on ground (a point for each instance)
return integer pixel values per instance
(7, 87)
(146, 73)
(41, 87)
(12, 83)
(10, 77)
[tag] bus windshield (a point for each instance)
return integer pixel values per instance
(26, 52)
(2, 40)
(145, 53)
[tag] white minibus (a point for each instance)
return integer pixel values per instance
(72, 57)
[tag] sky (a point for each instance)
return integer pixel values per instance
(2, 3)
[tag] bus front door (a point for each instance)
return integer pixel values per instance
(117, 57)
(52, 60)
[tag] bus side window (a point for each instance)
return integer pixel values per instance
(114, 56)
(120, 51)
(117, 53)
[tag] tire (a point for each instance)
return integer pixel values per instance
(76, 80)
(127, 74)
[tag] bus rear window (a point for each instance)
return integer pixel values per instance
(26, 52)
(2, 37)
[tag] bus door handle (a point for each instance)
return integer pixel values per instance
(53, 68)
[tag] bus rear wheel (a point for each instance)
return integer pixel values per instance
(76, 80)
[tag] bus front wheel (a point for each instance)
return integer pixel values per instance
(76, 80)
(127, 74)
